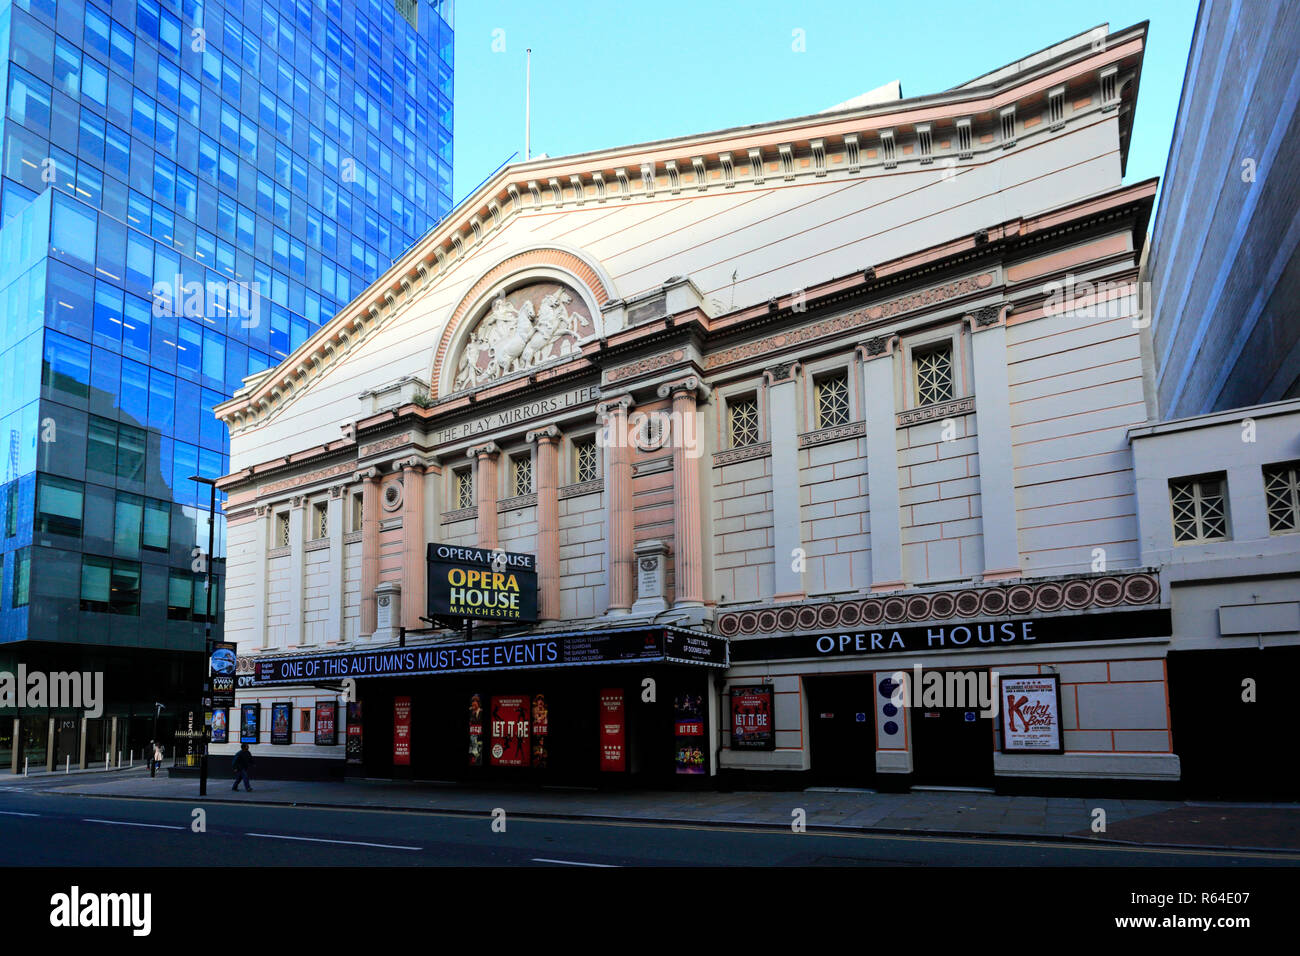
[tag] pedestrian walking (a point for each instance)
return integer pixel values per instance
(243, 761)
(156, 762)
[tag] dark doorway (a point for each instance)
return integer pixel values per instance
(842, 741)
(1231, 747)
(952, 745)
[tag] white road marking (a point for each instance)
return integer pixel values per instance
(383, 846)
(606, 866)
(128, 823)
(15, 813)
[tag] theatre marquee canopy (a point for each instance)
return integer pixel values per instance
(658, 645)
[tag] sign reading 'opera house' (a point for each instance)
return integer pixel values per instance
(478, 583)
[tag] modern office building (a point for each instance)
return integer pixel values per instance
(1224, 264)
(190, 190)
(717, 436)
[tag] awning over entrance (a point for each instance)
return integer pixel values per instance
(647, 645)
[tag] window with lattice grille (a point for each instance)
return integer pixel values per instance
(584, 460)
(831, 398)
(742, 421)
(1282, 497)
(933, 372)
(521, 475)
(1200, 512)
(282, 530)
(465, 488)
(320, 521)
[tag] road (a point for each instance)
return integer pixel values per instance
(41, 827)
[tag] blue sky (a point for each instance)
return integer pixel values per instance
(610, 74)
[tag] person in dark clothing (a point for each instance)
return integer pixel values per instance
(243, 760)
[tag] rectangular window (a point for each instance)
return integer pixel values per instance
(157, 524)
(11, 510)
(124, 597)
(282, 530)
(127, 521)
(58, 506)
(521, 475)
(1199, 510)
(742, 421)
(464, 488)
(831, 397)
(180, 596)
(357, 513)
(96, 583)
(320, 521)
(130, 452)
(1282, 497)
(584, 460)
(304, 719)
(933, 375)
(22, 577)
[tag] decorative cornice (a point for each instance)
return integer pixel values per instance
(460, 514)
(824, 436)
(519, 501)
(733, 455)
(653, 363)
(384, 444)
(310, 478)
(917, 607)
(318, 544)
(929, 413)
(582, 488)
(846, 323)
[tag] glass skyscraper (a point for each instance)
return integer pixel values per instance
(190, 188)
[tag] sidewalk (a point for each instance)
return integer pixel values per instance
(1274, 827)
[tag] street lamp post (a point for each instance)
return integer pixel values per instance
(207, 630)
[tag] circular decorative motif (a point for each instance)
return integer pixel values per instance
(767, 621)
(1020, 598)
(890, 727)
(392, 496)
(497, 751)
(918, 608)
(1078, 594)
(828, 615)
(889, 710)
(786, 619)
(748, 622)
(1139, 589)
(895, 609)
(993, 601)
(649, 564)
(872, 611)
(807, 618)
(1107, 592)
(1049, 597)
(968, 603)
(650, 432)
(942, 605)
(887, 687)
(850, 614)
(729, 624)
(383, 601)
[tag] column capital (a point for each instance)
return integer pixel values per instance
(262, 510)
(369, 474)
(878, 346)
(336, 491)
(486, 450)
(297, 501)
(409, 464)
(988, 316)
(691, 383)
(614, 406)
(782, 373)
(548, 434)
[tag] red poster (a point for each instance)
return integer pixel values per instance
(613, 754)
(509, 747)
(401, 731)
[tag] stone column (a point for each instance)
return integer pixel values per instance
(297, 568)
(618, 497)
(688, 525)
(993, 439)
(261, 544)
(548, 521)
(783, 432)
(485, 492)
(414, 577)
(877, 357)
(369, 547)
(335, 628)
